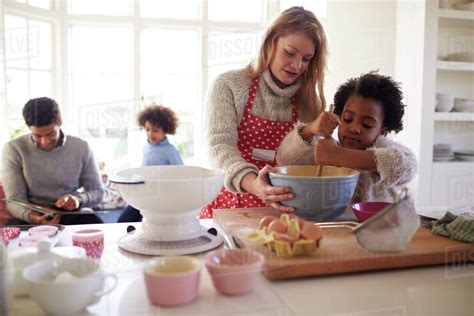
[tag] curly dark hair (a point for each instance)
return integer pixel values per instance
(160, 116)
(378, 87)
(41, 112)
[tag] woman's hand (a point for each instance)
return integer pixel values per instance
(326, 151)
(40, 218)
(68, 202)
(261, 187)
(324, 125)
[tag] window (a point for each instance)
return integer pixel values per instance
(100, 7)
(319, 7)
(116, 56)
(169, 76)
(44, 4)
(101, 87)
(28, 66)
(230, 50)
(111, 81)
(235, 10)
(176, 9)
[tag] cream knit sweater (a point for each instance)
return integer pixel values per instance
(225, 106)
(396, 166)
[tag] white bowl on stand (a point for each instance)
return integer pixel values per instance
(169, 199)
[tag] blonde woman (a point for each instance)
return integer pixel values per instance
(251, 110)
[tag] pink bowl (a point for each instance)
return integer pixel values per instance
(365, 210)
(172, 281)
(234, 271)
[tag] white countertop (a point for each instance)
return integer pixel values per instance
(440, 290)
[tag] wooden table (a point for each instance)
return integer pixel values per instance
(440, 290)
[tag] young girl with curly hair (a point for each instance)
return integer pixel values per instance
(159, 121)
(366, 109)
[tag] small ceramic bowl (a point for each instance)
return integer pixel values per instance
(463, 105)
(92, 240)
(20, 258)
(66, 286)
(234, 271)
(442, 149)
(365, 210)
(172, 281)
(445, 102)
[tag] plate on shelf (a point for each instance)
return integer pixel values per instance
(465, 155)
(464, 5)
(467, 152)
(443, 158)
(461, 56)
(463, 105)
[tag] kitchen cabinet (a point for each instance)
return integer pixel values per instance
(430, 31)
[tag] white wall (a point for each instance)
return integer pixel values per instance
(387, 35)
(361, 36)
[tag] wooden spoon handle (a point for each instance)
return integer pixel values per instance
(320, 170)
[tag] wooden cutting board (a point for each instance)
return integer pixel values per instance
(340, 251)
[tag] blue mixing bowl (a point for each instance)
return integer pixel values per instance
(317, 198)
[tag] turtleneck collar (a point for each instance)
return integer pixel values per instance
(288, 91)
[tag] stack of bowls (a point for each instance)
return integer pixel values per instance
(442, 152)
(467, 57)
(465, 5)
(463, 105)
(444, 102)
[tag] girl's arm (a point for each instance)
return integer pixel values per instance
(394, 163)
(327, 152)
(295, 149)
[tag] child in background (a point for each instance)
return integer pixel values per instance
(366, 109)
(158, 122)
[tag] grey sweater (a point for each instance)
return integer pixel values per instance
(42, 177)
(396, 166)
(225, 106)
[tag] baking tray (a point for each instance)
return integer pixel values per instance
(14, 243)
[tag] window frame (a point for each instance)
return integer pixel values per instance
(61, 22)
(29, 12)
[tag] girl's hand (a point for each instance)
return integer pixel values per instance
(269, 194)
(324, 125)
(326, 151)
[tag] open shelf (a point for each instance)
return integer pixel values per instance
(454, 65)
(454, 116)
(453, 164)
(456, 18)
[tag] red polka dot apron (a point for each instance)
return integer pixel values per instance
(254, 134)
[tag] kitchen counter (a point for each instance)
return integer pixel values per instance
(440, 290)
